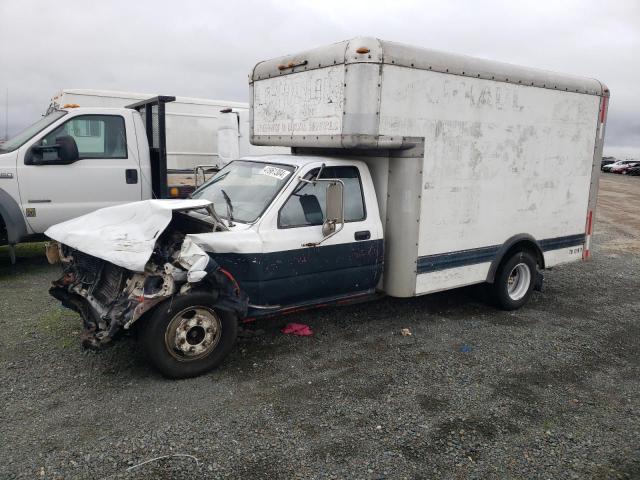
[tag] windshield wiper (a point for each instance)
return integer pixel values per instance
(229, 207)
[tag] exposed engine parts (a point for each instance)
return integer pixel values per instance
(110, 298)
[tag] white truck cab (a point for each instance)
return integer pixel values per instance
(412, 171)
(69, 163)
(283, 258)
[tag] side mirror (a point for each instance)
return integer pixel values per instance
(334, 208)
(63, 152)
(68, 149)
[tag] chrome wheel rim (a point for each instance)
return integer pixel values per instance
(518, 281)
(193, 333)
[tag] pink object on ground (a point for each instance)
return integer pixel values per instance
(297, 329)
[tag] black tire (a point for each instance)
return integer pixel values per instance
(169, 325)
(504, 280)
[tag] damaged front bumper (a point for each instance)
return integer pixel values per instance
(110, 298)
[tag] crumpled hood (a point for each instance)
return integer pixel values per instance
(124, 235)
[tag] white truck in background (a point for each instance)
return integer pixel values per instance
(111, 156)
(191, 123)
(202, 135)
(412, 171)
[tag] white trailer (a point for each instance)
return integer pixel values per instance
(412, 171)
(233, 138)
(192, 123)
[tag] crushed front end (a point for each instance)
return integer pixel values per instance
(110, 298)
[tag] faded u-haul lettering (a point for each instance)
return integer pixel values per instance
(316, 98)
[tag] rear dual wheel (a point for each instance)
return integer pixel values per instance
(187, 336)
(514, 282)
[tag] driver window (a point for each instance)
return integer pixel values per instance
(97, 136)
(306, 205)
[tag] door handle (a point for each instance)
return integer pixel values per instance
(131, 175)
(362, 235)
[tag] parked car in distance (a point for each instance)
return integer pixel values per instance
(624, 168)
(634, 171)
(607, 161)
(608, 168)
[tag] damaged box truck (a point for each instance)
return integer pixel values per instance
(412, 171)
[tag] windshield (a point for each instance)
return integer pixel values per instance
(29, 132)
(246, 187)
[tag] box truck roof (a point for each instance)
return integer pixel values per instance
(372, 94)
(373, 50)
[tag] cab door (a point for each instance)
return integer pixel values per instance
(349, 262)
(107, 171)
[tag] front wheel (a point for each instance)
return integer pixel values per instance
(514, 281)
(187, 336)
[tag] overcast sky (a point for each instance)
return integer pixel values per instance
(206, 48)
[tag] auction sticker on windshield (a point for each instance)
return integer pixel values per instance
(275, 172)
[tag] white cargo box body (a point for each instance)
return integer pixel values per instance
(468, 155)
(191, 123)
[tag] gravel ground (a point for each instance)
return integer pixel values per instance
(549, 391)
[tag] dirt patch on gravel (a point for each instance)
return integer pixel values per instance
(619, 205)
